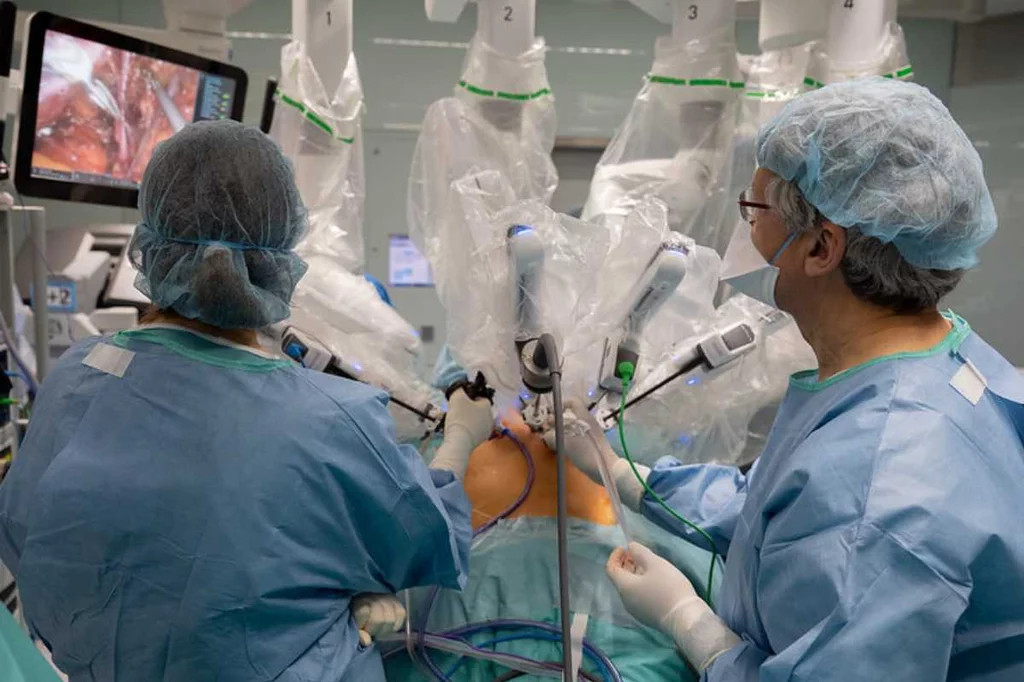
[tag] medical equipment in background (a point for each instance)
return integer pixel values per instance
(317, 121)
(307, 352)
(676, 140)
(90, 281)
(659, 281)
(407, 267)
(11, 218)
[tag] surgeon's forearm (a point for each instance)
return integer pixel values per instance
(453, 454)
(631, 489)
(711, 496)
(742, 663)
(700, 635)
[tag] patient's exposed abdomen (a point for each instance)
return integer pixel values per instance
(498, 471)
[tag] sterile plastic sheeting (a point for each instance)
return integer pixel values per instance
(686, 311)
(513, 95)
(772, 79)
(514, 575)
(344, 313)
(480, 294)
(633, 243)
(891, 60)
(333, 297)
(723, 416)
(322, 134)
(478, 152)
(676, 141)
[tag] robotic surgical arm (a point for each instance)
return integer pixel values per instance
(660, 279)
(707, 357)
(526, 255)
(310, 354)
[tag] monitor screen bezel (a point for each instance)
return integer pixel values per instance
(48, 188)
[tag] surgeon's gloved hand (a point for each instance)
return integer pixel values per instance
(467, 424)
(658, 595)
(588, 449)
(376, 615)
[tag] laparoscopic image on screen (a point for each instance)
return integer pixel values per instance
(103, 110)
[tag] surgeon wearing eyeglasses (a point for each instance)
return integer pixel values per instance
(878, 536)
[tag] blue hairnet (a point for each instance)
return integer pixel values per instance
(887, 158)
(220, 217)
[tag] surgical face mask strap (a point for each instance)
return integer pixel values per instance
(789, 240)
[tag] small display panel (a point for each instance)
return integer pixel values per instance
(407, 267)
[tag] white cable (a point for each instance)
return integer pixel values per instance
(9, 341)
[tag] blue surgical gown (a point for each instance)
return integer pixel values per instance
(879, 535)
(209, 514)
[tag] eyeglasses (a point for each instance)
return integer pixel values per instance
(746, 206)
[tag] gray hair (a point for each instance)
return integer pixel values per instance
(874, 270)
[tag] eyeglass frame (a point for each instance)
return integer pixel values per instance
(745, 205)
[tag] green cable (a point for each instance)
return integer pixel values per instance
(626, 370)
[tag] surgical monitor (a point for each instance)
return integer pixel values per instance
(407, 267)
(96, 103)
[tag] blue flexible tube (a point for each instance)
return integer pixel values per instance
(548, 636)
(518, 623)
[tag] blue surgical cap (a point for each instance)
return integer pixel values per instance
(885, 157)
(221, 216)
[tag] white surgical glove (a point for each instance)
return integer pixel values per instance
(658, 595)
(586, 446)
(376, 615)
(468, 424)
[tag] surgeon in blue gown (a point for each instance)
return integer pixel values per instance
(189, 507)
(878, 537)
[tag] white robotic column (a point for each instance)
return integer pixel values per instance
(713, 22)
(787, 23)
(324, 27)
(507, 29)
(856, 33)
(507, 25)
(698, 19)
